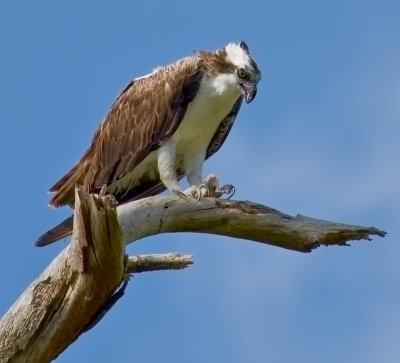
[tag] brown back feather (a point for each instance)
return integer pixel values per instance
(143, 117)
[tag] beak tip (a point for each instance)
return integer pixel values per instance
(249, 93)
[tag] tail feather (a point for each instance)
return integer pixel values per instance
(63, 229)
(64, 189)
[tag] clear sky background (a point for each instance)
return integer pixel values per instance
(320, 139)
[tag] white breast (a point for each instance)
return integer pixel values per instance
(214, 100)
(211, 105)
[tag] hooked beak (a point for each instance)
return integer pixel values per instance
(249, 91)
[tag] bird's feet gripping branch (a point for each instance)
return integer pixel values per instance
(163, 126)
(210, 188)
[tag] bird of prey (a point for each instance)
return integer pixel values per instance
(161, 128)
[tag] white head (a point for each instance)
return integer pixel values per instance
(234, 65)
(244, 68)
(238, 54)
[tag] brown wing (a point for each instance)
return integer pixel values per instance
(155, 187)
(223, 129)
(145, 114)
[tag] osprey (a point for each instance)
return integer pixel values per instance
(162, 127)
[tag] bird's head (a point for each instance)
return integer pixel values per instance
(235, 66)
(245, 69)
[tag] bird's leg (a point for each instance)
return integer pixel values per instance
(167, 168)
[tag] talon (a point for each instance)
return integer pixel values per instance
(196, 193)
(199, 191)
(192, 192)
(206, 189)
(181, 194)
(209, 188)
(227, 189)
(212, 184)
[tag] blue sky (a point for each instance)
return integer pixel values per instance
(320, 139)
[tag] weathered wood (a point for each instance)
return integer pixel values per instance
(238, 219)
(62, 301)
(82, 283)
(157, 262)
(72, 294)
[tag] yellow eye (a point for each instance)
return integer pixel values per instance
(241, 73)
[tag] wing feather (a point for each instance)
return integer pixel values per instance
(223, 129)
(143, 117)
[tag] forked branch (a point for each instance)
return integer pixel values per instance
(84, 280)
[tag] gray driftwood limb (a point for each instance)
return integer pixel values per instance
(77, 288)
(238, 219)
(157, 262)
(84, 280)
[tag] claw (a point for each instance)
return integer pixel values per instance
(227, 189)
(209, 188)
(215, 191)
(196, 192)
(212, 184)
(181, 194)
(204, 187)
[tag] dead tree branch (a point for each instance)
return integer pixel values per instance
(77, 288)
(238, 219)
(84, 280)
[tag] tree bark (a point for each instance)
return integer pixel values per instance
(237, 219)
(90, 275)
(77, 288)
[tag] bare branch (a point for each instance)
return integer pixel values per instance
(238, 219)
(83, 283)
(58, 305)
(78, 288)
(167, 261)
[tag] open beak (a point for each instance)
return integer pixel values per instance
(249, 91)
